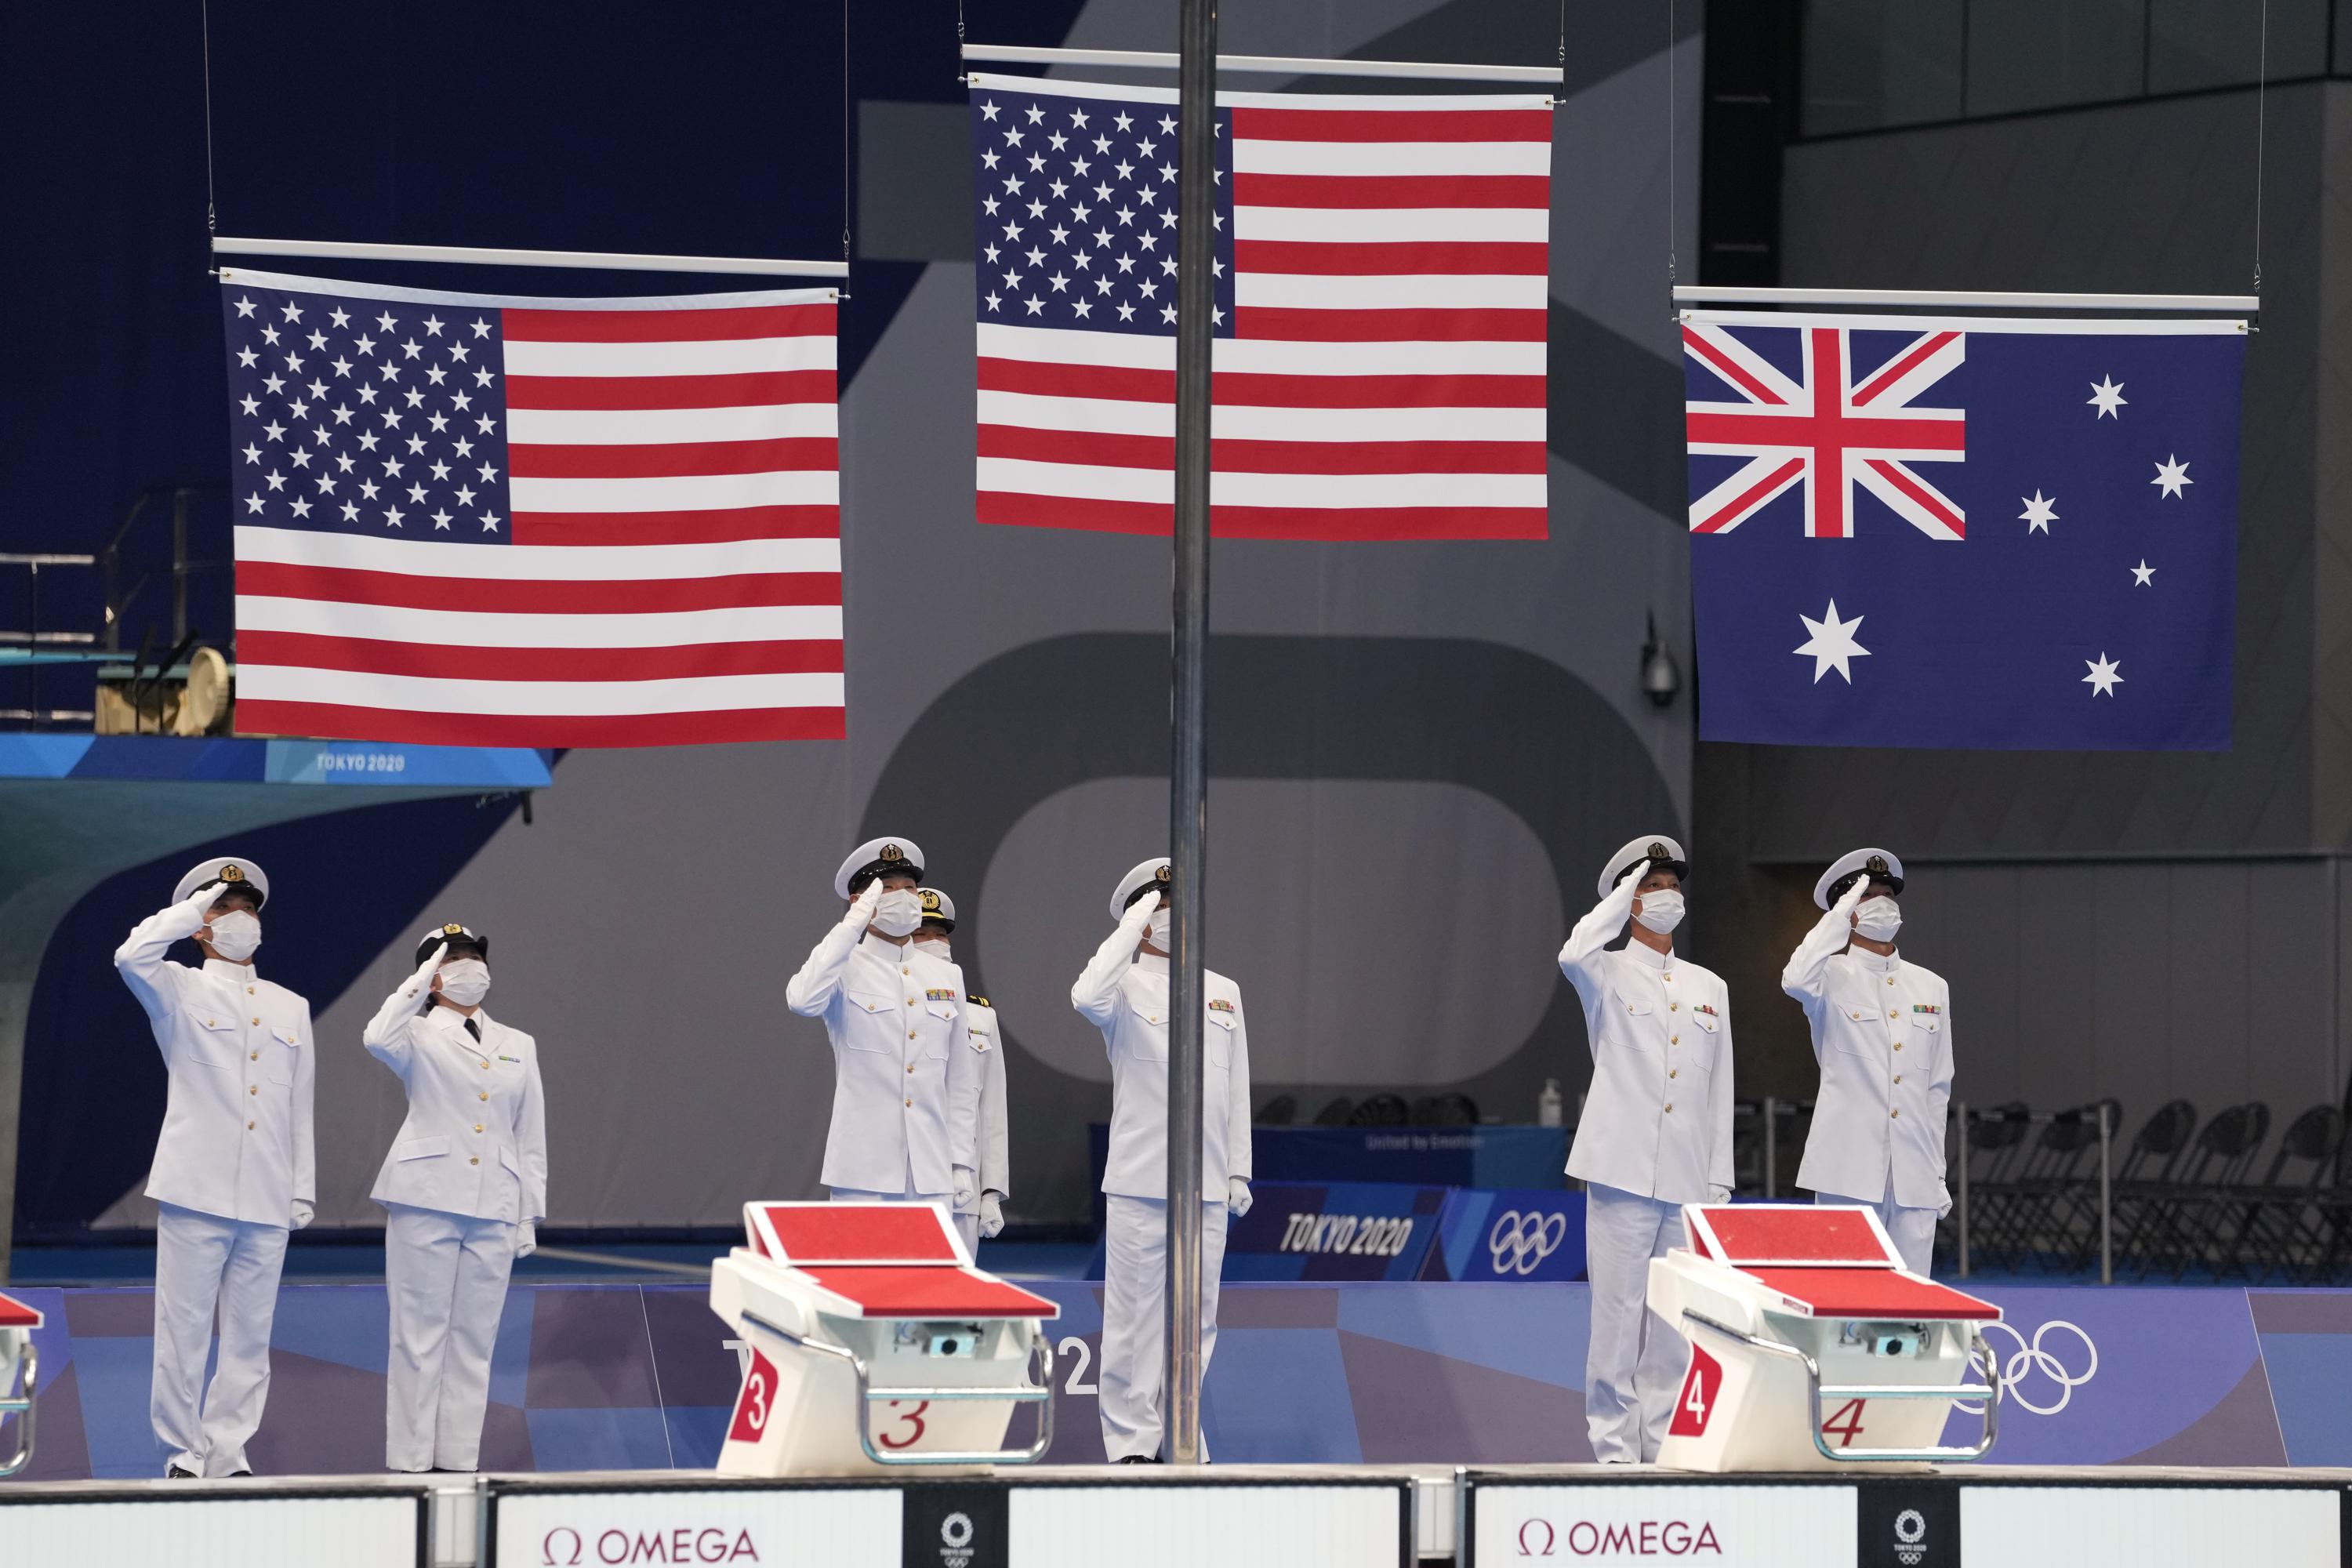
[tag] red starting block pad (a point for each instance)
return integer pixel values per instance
(1812, 1347)
(872, 1342)
(17, 1322)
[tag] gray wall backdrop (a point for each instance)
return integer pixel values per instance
(2141, 924)
(1420, 752)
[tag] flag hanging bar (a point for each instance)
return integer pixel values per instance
(1274, 65)
(607, 260)
(1964, 300)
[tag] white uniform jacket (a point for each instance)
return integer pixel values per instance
(982, 1102)
(1128, 1000)
(237, 1139)
(895, 1015)
(1657, 1120)
(475, 1142)
(1882, 1034)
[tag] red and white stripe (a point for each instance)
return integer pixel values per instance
(673, 574)
(1387, 377)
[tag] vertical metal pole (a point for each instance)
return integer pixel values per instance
(1188, 772)
(1771, 1146)
(2107, 1198)
(1960, 1115)
(180, 565)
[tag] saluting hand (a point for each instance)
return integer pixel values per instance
(863, 907)
(1853, 896)
(425, 971)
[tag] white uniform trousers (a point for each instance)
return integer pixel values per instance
(1912, 1230)
(1135, 1318)
(447, 1275)
(1633, 1363)
(201, 1260)
(967, 1227)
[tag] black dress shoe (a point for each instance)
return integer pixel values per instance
(233, 1474)
(1139, 1458)
(174, 1473)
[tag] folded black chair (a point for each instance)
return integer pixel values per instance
(2178, 1221)
(1381, 1110)
(1445, 1111)
(1279, 1111)
(1337, 1113)
(2058, 1161)
(2153, 1159)
(2272, 1221)
(1996, 1140)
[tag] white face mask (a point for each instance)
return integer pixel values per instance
(900, 912)
(1661, 910)
(1155, 931)
(1877, 919)
(465, 981)
(235, 934)
(937, 946)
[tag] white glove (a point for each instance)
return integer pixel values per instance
(423, 978)
(200, 902)
(1715, 1194)
(1852, 896)
(1237, 1197)
(526, 1239)
(967, 1183)
(991, 1214)
(1138, 915)
(863, 907)
(303, 1214)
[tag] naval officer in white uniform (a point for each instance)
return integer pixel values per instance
(234, 1168)
(463, 1191)
(981, 1104)
(1655, 1132)
(1124, 993)
(1882, 1034)
(900, 1054)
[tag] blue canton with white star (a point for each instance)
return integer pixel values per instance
(1074, 211)
(376, 417)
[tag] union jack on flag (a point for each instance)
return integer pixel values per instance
(1911, 532)
(1839, 421)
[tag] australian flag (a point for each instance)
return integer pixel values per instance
(1955, 533)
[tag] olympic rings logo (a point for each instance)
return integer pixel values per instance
(1520, 1242)
(2028, 1359)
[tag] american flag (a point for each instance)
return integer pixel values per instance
(472, 520)
(1379, 308)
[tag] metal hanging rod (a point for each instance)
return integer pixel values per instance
(1276, 65)
(607, 260)
(1712, 294)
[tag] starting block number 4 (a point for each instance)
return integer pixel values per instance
(1697, 1400)
(1851, 1414)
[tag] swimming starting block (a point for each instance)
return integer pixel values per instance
(871, 1342)
(1812, 1348)
(17, 1322)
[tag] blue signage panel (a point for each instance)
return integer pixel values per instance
(1426, 1156)
(1513, 1234)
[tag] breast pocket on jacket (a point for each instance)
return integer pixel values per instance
(1148, 1031)
(881, 1009)
(1704, 1037)
(279, 1055)
(1927, 1037)
(420, 1149)
(935, 1045)
(210, 1037)
(1853, 1026)
(1219, 1037)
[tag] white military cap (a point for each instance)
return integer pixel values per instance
(1153, 873)
(1880, 865)
(232, 870)
(876, 858)
(1650, 846)
(936, 906)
